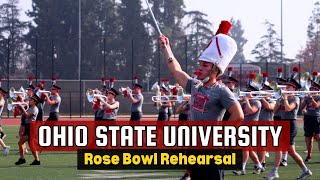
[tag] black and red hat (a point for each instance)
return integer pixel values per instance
(266, 87)
(293, 82)
(315, 85)
(3, 91)
(251, 88)
(35, 98)
(31, 87)
(115, 92)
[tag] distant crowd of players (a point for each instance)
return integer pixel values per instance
(29, 105)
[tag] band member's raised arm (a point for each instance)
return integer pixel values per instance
(174, 66)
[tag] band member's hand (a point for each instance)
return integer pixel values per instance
(309, 95)
(285, 96)
(163, 40)
(246, 98)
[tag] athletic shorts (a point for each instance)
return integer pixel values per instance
(136, 116)
(40, 115)
(170, 112)
(27, 130)
(293, 130)
(53, 116)
(276, 118)
(163, 117)
(96, 117)
(183, 117)
(311, 125)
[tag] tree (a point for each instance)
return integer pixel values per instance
(53, 38)
(236, 33)
(136, 44)
(200, 34)
(12, 27)
(310, 54)
(267, 50)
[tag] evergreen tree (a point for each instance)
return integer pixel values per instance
(236, 33)
(267, 50)
(310, 54)
(12, 28)
(200, 34)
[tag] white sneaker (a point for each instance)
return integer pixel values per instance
(267, 154)
(305, 175)
(6, 150)
(272, 175)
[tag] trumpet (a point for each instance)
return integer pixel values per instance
(91, 94)
(13, 92)
(301, 94)
(156, 88)
(11, 105)
(125, 91)
(38, 93)
(172, 98)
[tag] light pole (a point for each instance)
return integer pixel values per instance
(281, 34)
(79, 43)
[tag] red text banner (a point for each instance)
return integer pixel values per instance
(75, 135)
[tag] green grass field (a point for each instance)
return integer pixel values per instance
(55, 165)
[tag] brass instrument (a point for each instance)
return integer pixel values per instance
(92, 94)
(13, 93)
(11, 105)
(125, 91)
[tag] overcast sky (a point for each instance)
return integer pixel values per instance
(252, 14)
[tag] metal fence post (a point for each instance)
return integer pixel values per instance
(70, 106)
(36, 53)
(8, 71)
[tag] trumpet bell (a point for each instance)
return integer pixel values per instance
(9, 105)
(155, 87)
(124, 91)
(13, 92)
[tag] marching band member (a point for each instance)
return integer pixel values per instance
(277, 115)
(29, 115)
(289, 106)
(136, 100)
(30, 92)
(251, 109)
(111, 107)
(266, 114)
(41, 102)
(54, 101)
(231, 84)
(209, 98)
(2, 102)
(311, 119)
(169, 93)
(164, 104)
(97, 107)
(6, 149)
(184, 109)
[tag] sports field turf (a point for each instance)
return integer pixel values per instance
(63, 165)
